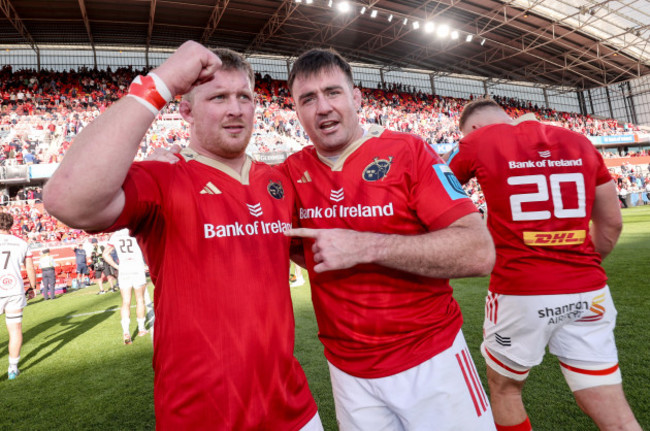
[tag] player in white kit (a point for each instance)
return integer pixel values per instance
(131, 276)
(13, 253)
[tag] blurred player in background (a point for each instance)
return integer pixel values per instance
(98, 264)
(48, 274)
(131, 276)
(210, 227)
(109, 271)
(81, 261)
(14, 253)
(543, 185)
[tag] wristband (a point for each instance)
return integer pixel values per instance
(150, 91)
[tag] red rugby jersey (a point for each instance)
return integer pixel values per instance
(539, 183)
(224, 339)
(376, 321)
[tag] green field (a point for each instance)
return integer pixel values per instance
(77, 374)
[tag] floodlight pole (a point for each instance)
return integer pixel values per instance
(545, 92)
(84, 15)
(629, 102)
(609, 103)
(582, 102)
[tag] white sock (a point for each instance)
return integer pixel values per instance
(13, 363)
(125, 325)
(141, 324)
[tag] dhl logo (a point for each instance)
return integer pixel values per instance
(561, 237)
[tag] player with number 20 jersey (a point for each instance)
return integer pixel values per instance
(539, 204)
(543, 185)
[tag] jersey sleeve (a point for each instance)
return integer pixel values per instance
(143, 191)
(437, 196)
(461, 161)
(602, 174)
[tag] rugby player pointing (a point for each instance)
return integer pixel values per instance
(385, 224)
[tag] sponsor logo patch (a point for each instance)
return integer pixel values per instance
(565, 312)
(449, 182)
(596, 308)
(7, 282)
(555, 238)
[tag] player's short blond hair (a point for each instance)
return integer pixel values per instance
(473, 107)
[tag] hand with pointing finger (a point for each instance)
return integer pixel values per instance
(333, 249)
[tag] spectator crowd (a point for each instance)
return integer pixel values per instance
(42, 112)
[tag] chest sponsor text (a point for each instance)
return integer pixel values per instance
(544, 163)
(242, 229)
(342, 211)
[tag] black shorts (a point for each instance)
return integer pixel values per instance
(109, 271)
(82, 269)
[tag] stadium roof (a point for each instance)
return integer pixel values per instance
(575, 43)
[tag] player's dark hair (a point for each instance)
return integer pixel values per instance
(316, 60)
(472, 107)
(6, 221)
(231, 60)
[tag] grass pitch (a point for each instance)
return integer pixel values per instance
(77, 374)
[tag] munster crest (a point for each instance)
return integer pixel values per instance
(275, 189)
(377, 170)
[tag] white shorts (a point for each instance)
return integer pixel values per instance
(12, 303)
(314, 424)
(576, 327)
(131, 279)
(444, 392)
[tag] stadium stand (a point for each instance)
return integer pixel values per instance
(41, 113)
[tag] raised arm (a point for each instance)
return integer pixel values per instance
(86, 190)
(463, 249)
(606, 218)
